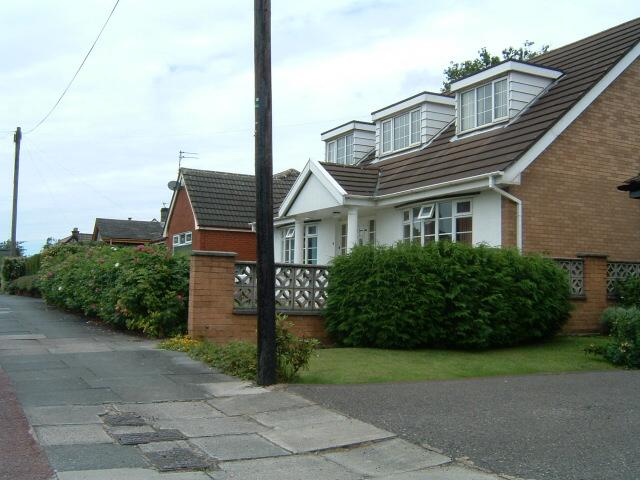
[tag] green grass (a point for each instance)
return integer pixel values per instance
(369, 365)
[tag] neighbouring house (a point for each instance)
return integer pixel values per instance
(525, 155)
(127, 232)
(215, 211)
(632, 186)
(76, 237)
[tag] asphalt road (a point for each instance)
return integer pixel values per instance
(582, 426)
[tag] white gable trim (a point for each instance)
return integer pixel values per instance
(512, 173)
(174, 199)
(312, 168)
(503, 68)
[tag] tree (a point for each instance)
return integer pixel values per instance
(456, 71)
(6, 247)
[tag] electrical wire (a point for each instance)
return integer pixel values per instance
(77, 71)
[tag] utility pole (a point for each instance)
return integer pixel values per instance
(17, 137)
(264, 196)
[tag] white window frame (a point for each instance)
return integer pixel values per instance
(474, 104)
(307, 259)
(409, 219)
(178, 239)
(342, 250)
(332, 150)
(372, 231)
(288, 244)
(392, 123)
(426, 211)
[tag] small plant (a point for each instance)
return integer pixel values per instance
(25, 285)
(240, 359)
(624, 347)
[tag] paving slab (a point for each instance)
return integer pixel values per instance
(17, 363)
(182, 378)
(208, 427)
(114, 431)
(452, 472)
(89, 396)
(25, 336)
(263, 402)
(294, 467)
(238, 447)
(179, 459)
(171, 410)
(387, 457)
(301, 417)
(53, 385)
(31, 376)
(131, 474)
(231, 389)
(72, 435)
(162, 435)
(122, 419)
(85, 347)
(158, 393)
(65, 415)
(102, 456)
(323, 436)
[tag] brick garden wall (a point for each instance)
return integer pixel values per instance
(571, 205)
(243, 243)
(211, 305)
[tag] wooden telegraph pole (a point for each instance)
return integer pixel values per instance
(17, 138)
(264, 197)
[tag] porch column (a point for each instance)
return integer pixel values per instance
(298, 255)
(352, 228)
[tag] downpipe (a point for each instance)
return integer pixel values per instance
(518, 202)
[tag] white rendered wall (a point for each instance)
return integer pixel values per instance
(313, 196)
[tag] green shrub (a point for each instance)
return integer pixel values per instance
(240, 358)
(445, 295)
(32, 264)
(25, 285)
(628, 291)
(138, 288)
(624, 347)
(12, 268)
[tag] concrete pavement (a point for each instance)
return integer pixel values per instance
(106, 406)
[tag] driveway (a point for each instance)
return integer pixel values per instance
(569, 426)
(83, 402)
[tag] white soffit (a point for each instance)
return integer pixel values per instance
(505, 67)
(410, 102)
(347, 128)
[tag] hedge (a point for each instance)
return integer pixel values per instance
(624, 347)
(139, 288)
(628, 291)
(444, 295)
(25, 285)
(12, 268)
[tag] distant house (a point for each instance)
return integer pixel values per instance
(215, 211)
(76, 237)
(126, 232)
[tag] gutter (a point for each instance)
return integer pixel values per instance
(518, 202)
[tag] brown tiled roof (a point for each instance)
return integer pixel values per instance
(228, 200)
(82, 237)
(139, 230)
(584, 63)
(354, 179)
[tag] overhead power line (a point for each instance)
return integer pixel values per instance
(78, 70)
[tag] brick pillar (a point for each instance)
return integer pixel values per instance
(586, 316)
(211, 288)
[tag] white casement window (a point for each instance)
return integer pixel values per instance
(288, 244)
(372, 232)
(311, 244)
(440, 221)
(401, 131)
(340, 151)
(483, 105)
(343, 239)
(181, 239)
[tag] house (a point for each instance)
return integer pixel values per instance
(127, 232)
(525, 155)
(216, 210)
(76, 237)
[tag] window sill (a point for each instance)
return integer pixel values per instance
(400, 150)
(480, 129)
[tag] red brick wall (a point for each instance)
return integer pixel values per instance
(570, 201)
(569, 194)
(211, 305)
(181, 219)
(242, 243)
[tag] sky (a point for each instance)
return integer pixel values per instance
(169, 76)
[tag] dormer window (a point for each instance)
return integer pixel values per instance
(483, 105)
(401, 131)
(340, 151)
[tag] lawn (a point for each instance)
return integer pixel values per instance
(369, 365)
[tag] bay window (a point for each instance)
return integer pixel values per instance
(401, 131)
(440, 221)
(483, 105)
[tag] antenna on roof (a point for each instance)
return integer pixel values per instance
(183, 155)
